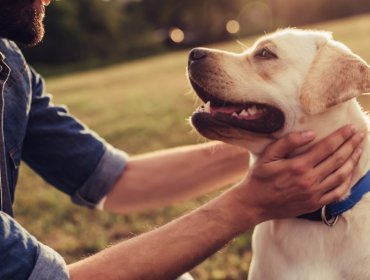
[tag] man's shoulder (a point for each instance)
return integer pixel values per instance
(7, 46)
(10, 51)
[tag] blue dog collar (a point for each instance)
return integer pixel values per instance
(329, 214)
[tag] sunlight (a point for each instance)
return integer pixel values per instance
(176, 35)
(232, 26)
(256, 15)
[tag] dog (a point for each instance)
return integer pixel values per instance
(291, 80)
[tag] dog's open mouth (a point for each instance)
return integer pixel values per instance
(254, 117)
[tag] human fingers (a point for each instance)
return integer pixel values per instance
(285, 145)
(341, 156)
(341, 174)
(327, 146)
(336, 193)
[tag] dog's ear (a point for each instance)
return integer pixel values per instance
(335, 76)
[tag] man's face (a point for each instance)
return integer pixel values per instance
(22, 20)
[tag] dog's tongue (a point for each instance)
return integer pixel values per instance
(237, 111)
(241, 112)
(226, 109)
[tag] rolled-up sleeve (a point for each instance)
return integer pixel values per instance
(108, 170)
(23, 257)
(49, 265)
(66, 153)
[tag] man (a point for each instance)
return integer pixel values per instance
(94, 174)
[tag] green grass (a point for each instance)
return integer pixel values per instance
(138, 106)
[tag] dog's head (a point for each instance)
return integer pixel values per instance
(288, 81)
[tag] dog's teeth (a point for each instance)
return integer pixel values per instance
(207, 107)
(243, 113)
(234, 115)
(252, 110)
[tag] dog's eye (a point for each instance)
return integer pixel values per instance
(265, 53)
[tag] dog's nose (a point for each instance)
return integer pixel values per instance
(197, 54)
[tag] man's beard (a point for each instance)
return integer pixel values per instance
(20, 21)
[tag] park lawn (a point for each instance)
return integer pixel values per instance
(139, 106)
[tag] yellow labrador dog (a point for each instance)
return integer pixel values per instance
(292, 80)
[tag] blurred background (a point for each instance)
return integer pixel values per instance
(119, 66)
(96, 32)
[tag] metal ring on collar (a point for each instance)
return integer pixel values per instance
(329, 222)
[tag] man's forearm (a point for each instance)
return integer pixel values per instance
(168, 176)
(266, 193)
(173, 249)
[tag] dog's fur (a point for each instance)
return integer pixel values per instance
(313, 80)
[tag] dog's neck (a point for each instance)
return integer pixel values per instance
(352, 113)
(349, 112)
(362, 123)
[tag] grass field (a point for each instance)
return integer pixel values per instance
(139, 106)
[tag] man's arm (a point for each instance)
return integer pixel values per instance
(164, 177)
(171, 250)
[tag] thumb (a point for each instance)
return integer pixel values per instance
(284, 146)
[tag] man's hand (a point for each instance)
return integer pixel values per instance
(276, 187)
(279, 187)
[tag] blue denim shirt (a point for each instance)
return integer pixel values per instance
(54, 144)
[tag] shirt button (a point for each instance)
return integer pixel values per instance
(1, 68)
